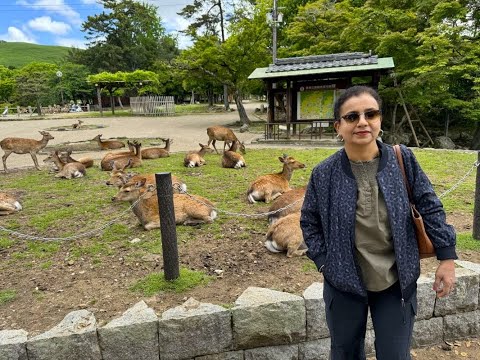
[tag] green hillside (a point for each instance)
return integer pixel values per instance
(18, 54)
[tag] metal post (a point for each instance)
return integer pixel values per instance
(274, 31)
(476, 207)
(168, 230)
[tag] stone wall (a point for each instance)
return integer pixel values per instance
(263, 324)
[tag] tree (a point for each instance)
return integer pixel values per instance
(7, 84)
(73, 82)
(126, 37)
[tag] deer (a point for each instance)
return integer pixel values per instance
(66, 158)
(189, 210)
(66, 170)
(195, 158)
(293, 196)
(108, 144)
(118, 178)
(9, 204)
(220, 133)
(286, 235)
(24, 146)
(123, 160)
(157, 152)
(269, 187)
(77, 125)
(232, 159)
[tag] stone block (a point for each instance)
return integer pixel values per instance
(13, 345)
(264, 317)
(425, 298)
(472, 267)
(464, 297)
(427, 332)
(282, 352)
(462, 325)
(194, 329)
(315, 350)
(315, 305)
(231, 355)
(74, 338)
(133, 336)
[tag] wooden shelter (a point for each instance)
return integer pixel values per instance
(301, 91)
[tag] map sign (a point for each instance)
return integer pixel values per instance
(315, 104)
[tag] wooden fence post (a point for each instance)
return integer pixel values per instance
(476, 207)
(168, 229)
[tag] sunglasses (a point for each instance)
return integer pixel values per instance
(370, 115)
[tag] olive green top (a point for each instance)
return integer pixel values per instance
(373, 240)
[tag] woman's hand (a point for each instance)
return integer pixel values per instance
(444, 278)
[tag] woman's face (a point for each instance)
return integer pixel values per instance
(360, 120)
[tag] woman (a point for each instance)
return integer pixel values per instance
(356, 223)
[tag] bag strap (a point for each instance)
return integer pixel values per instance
(398, 154)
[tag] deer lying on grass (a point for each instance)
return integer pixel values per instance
(269, 187)
(289, 197)
(195, 158)
(66, 158)
(9, 204)
(118, 178)
(232, 159)
(123, 161)
(157, 152)
(286, 235)
(188, 210)
(24, 146)
(220, 133)
(77, 125)
(108, 144)
(66, 170)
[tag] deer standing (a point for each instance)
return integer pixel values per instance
(286, 235)
(66, 170)
(24, 146)
(232, 159)
(9, 204)
(123, 160)
(195, 158)
(294, 196)
(77, 125)
(156, 152)
(108, 144)
(269, 187)
(189, 210)
(220, 133)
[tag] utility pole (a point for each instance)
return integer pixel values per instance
(274, 31)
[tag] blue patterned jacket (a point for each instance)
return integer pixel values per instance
(328, 219)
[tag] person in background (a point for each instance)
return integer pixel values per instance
(357, 225)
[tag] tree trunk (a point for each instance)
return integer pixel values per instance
(241, 110)
(112, 102)
(120, 102)
(225, 97)
(476, 138)
(39, 108)
(192, 98)
(210, 97)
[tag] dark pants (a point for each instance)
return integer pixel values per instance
(392, 321)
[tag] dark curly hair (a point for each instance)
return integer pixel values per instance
(356, 90)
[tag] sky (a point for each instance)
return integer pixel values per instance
(58, 22)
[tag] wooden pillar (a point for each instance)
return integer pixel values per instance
(288, 109)
(270, 110)
(168, 228)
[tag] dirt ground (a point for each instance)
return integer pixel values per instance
(44, 298)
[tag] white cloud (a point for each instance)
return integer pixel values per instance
(45, 23)
(55, 7)
(16, 35)
(77, 43)
(90, 2)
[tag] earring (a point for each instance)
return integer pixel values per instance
(339, 137)
(380, 134)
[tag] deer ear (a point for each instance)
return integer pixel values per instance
(140, 182)
(282, 159)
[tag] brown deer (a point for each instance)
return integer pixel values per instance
(9, 204)
(24, 146)
(66, 170)
(156, 152)
(232, 159)
(220, 133)
(66, 158)
(123, 161)
(286, 235)
(269, 187)
(195, 158)
(118, 178)
(108, 144)
(189, 210)
(77, 125)
(294, 196)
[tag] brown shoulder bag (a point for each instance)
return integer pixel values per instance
(425, 246)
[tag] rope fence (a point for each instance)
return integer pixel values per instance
(177, 186)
